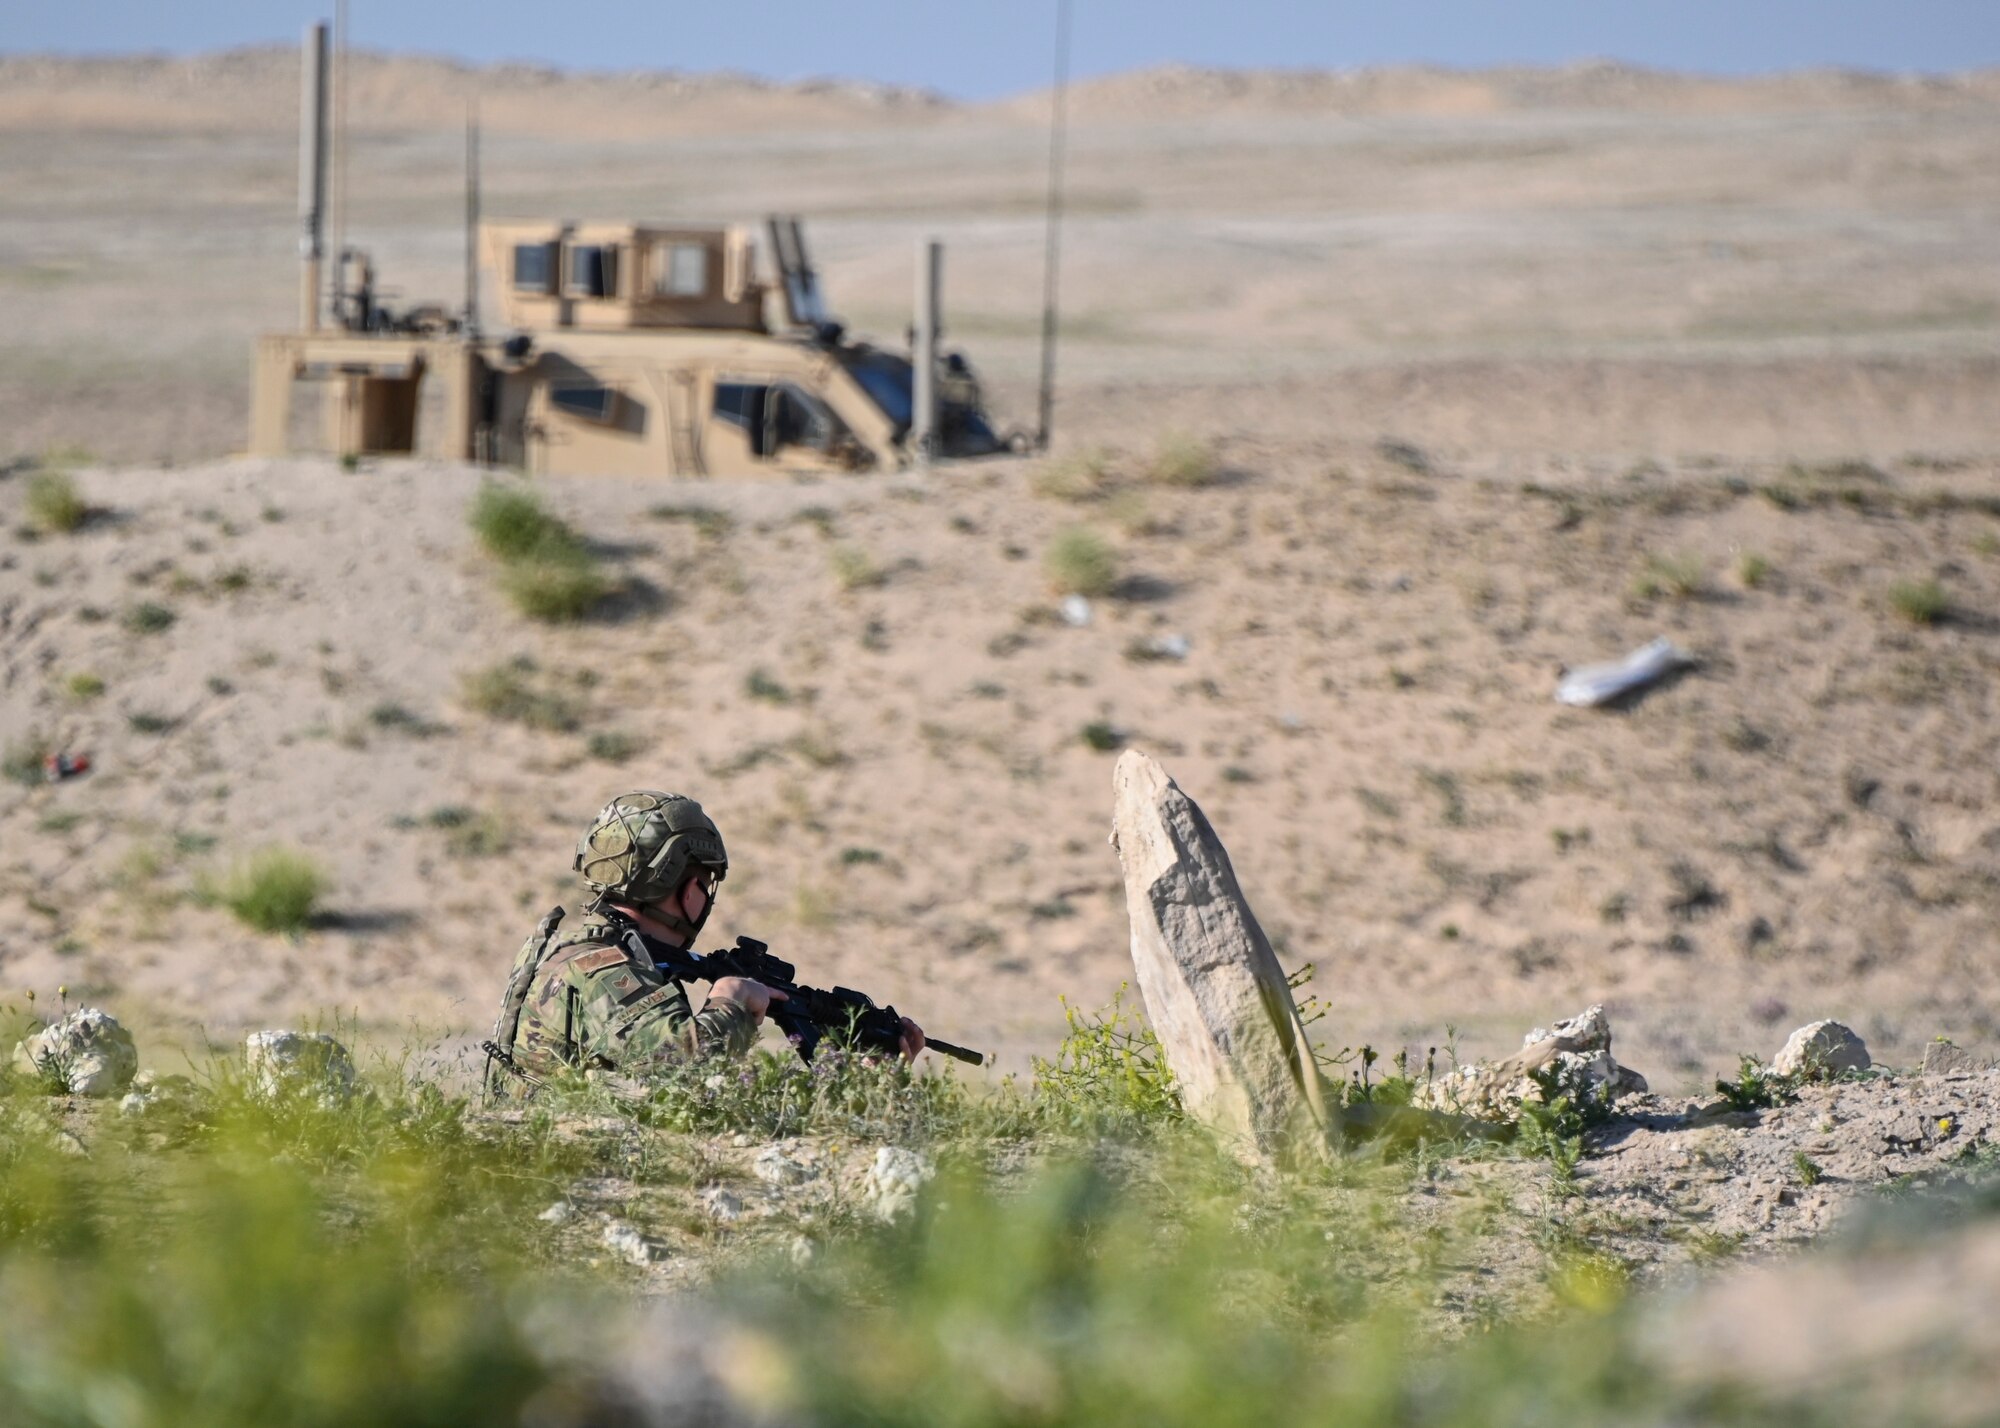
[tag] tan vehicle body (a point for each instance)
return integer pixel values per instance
(636, 350)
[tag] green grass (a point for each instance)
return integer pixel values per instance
(708, 522)
(1183, 461)
(1752, 570)
(149, 617)
(1084, 1256)
(83, 687)
(53, 503)
(273, 890)
(855, 569)
(1921, 602)
(615, 746)
(24, 759)
(517, 693)
(1085, 476)
(546, 570)
(1681, 576)
(1079, 561)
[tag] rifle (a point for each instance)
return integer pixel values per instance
(808, 1015)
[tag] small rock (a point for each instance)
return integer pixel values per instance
(1075, 610)
(625, 1241)
(1820, 1051)
(87, 1053)
(894, 1180)
(297, 1061)
(801, 1251)
(560, 1213)
(722, 1205)
(1941, 1058)
(134, 1103)
(775, 1166)
(1173, 647)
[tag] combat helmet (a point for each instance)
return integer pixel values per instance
(641, 845)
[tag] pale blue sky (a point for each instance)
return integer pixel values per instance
(977, 49)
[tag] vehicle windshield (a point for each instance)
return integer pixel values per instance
(887, 379)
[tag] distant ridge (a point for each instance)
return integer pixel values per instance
(255, 89)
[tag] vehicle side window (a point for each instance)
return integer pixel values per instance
(799, 419)
(593, 271)
(741, 404)
(598, 404)
(532, 267)
(680, 270)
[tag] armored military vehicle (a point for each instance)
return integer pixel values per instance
(630, 348)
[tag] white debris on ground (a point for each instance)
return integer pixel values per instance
(778, 1166)
(627, 1242)
(150, 1089)
(280, 1061)
(1075, 611)
(560, 1213)
(87, 1053)
(1573, 1058)
(1597, 684)
(894, 1181)
(721, 1205)
(1821, 1050)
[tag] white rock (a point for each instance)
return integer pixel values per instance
(625, 1241)
(88, 1053)
(297, 1061)
(1575, 1054)
(722, 1205)
(1075, 610)
(894, 1181)
(1820, 1051)
(1213, 988)
(560, 1213)
(774, 1165)
(801, 1251)
(134, 1103)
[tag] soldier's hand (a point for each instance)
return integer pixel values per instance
(753, 997)
(913, 1039)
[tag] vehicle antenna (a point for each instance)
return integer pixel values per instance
(1057, 116)
(472, 218)
(340, 314)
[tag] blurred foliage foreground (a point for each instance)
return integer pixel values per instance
(237, 1254)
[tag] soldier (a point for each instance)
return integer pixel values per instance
(589, 996)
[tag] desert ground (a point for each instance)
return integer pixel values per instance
(1501, 373)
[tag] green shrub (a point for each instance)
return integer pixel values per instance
(149, 618)
(1681, 576)
(511, 524)
(760, 686)
(614, 746)
(1109, 1073)
(53, 503)
(1079, 561)
(1084, 476)
(1181, 460)
(1753, 570)
(1922, 602)
(273, 890)
(546, 569)
(856, 569)
(1101, 736)
(25, 759)
(83, 688)
(708, 522)
(557, 590)
(512, 693)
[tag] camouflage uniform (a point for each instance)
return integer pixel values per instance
(594, 1004)
(589, 996)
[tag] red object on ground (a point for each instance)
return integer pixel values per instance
(62, 766)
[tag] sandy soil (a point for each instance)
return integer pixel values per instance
(1602, 315)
